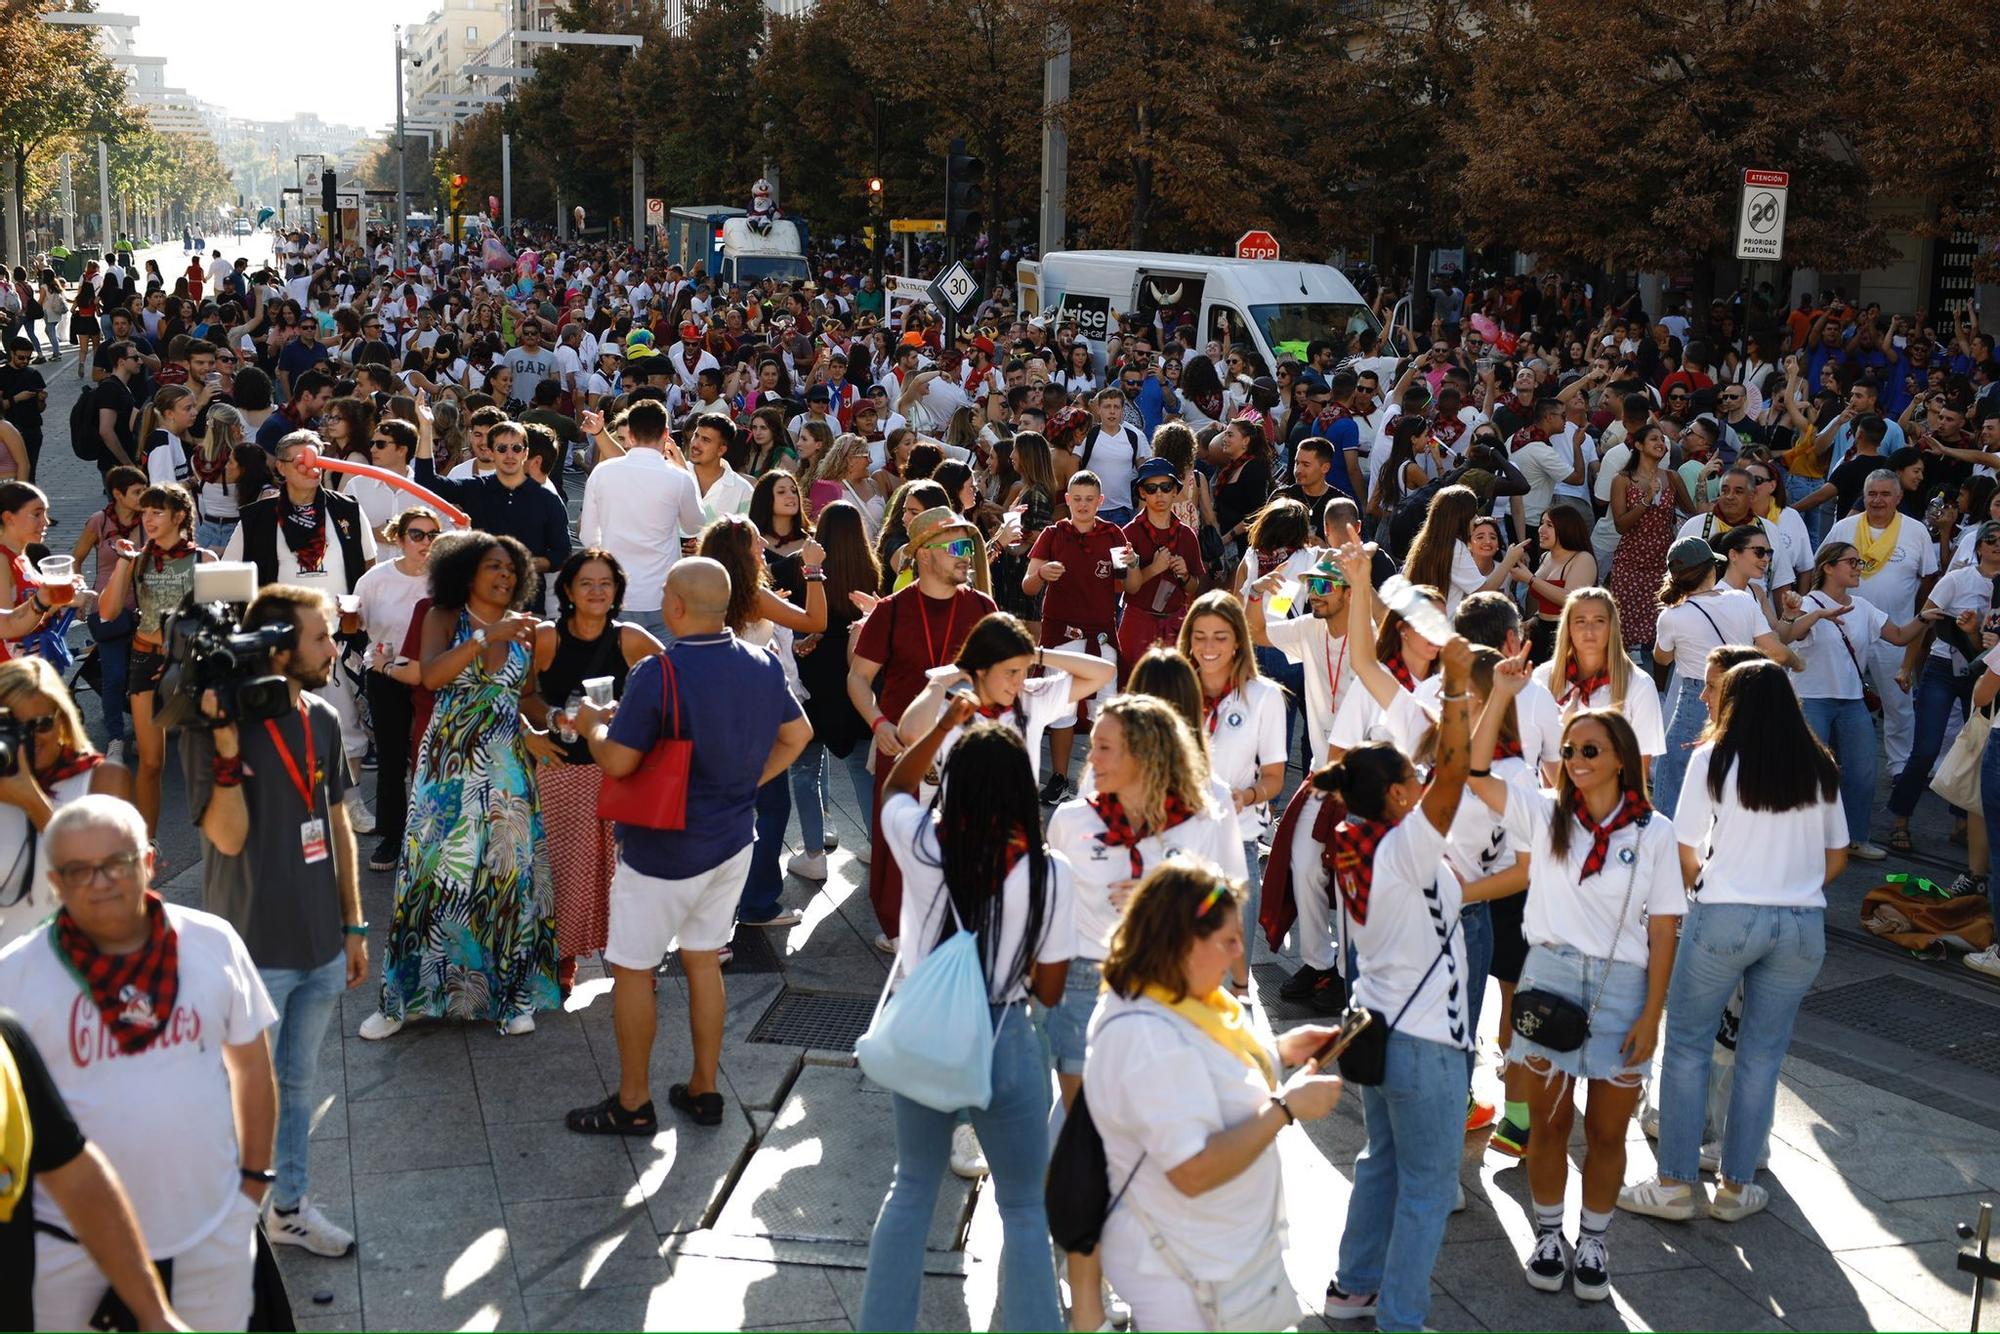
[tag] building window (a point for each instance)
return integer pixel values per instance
(472, 32)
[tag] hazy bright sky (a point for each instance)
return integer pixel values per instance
(281, 60)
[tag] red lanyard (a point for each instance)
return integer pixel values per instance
(1333, 668)
(924, 618)
(304, 789)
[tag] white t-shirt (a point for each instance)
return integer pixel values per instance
(1544, 467)
(1775, 858)
(637, 507)
(1413, 905)
(910, 832)
(167, 461)
(163, 1114)
(1781, 568)
(1076, 831)
(1361, 720)
(1535, 715)
(331, 578)
(1893, 588)
(1832, 672)
(1246, 730)
(1483, 841)
(1566, 446)
(1641, 706)
(388, 602)
(1465, 578)
(1584, 916)
(728, 494)
(1693, 626)
(1307, 641)
(1795, 547)
(1044, 702)
(1963, 589)
(379, 501)
(1115, 458)
(1159, 1088)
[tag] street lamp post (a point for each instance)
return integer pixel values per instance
(401, 145)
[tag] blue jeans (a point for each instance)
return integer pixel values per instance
(1937, 690)
(1013, 1134)
(215, 536)
(810, 792)
(114, 659)
(1684, 728)
(1405, 1180)
(1797, 489)
(305, 999)
(654, 622)
(1849, 732)
(766, 880)
(1775, 953)
(1116, 515)
(1290, 677)
(1477, 924)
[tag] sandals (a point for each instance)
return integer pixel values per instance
(704, 1108)
(611, 1118)
(1899, 840)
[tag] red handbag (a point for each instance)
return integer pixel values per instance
(654, 796)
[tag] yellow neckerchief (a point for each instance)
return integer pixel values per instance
(1224, 1019)
(1773, 512)
(1875, 551)
(17, 1136)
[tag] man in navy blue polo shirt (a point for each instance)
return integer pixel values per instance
(679, 888)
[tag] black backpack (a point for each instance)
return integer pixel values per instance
(83, 441)
(1131, 435)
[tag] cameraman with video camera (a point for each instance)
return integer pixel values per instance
(278, 861)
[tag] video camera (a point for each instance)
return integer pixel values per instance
(207, 649)
(16, 746)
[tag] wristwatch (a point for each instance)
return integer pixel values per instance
(266, 1175)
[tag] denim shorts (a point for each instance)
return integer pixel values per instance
(1068, 1024)
(1576, 976)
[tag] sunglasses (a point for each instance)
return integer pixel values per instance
(1762, 553)
(1590, 750)
(1319, 585)
(1159, 487)
(508, 447)
(959, 548)
(419, 534)
(380, 440)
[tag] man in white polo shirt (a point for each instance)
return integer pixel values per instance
(636, 507)
(1898, 565)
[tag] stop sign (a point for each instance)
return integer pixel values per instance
(1256, 245)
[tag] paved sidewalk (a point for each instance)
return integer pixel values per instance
(444, 1149)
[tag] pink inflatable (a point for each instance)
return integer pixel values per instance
(309, 458)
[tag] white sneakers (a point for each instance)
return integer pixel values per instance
(967, 1158)
(1867, 852)
(308, 1228)
(518, 1025)
(1985, 961)
(359, 818)
(1656, 1199)
(885, 943)
(807, 865)
(378, 1026)
(1739, 1202)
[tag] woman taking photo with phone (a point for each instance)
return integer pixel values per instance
(1761, 834)
(1184, 1085)
(1604, 899)
(976, 863)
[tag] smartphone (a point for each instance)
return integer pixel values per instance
(1352, 1020)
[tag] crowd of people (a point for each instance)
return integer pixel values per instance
(1577, 620)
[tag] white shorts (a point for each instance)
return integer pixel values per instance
(651, 916)
(212, 1278)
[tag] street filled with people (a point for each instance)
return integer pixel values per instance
(1526, 671)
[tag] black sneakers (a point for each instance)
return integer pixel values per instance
(1056, 791)
(1548, 1263)
(385, 854)
(1593, 1269)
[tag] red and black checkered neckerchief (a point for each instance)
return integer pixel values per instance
(1400, 670)
(1526, 436)
(1582, 687)
(1354, 842)
(134, 992)
(1118, 830)
(1507, 749)
(1632, 809)
(162, 557)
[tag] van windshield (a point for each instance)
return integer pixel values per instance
(756, 268)
(1290, 327)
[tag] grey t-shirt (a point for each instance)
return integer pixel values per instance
(286, 909)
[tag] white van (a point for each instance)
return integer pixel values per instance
(1277, 306)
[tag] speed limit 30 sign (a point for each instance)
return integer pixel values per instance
(1760, 220)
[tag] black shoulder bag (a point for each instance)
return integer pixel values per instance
(1557, 1022)
(1366, 1059)
(1076, 1193)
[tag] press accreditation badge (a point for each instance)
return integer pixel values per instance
(312, 840)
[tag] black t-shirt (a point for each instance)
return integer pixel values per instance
(26, 415)
(57, 1143)
(112, 393)
(1850, 476)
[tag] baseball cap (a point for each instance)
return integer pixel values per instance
(1689, 553)
(1156, 467)
(818, 394)
(933, 523)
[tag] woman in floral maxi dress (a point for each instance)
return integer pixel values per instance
(474, 929)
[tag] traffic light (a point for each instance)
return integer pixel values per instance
(962, 195)
(458, 194)
(875, 195)
(328, 192)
